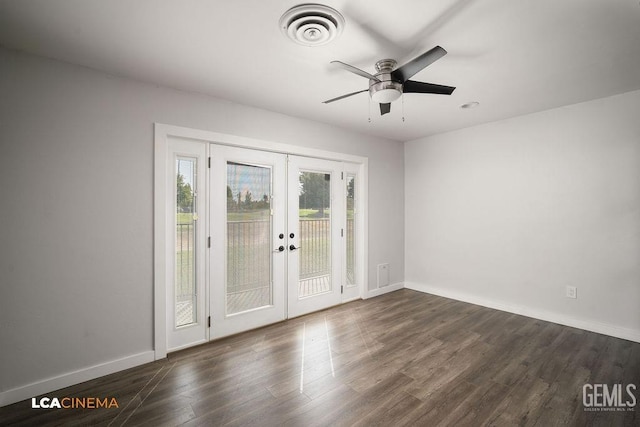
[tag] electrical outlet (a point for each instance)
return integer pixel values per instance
(572, 292)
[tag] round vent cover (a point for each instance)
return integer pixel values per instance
(312, 24)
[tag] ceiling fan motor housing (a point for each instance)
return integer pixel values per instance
(385, 90)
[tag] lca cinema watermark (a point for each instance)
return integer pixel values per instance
(74, 403)
(609, 398)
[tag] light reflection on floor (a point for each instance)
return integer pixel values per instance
(320, 342)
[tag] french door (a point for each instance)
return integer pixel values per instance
(315, 223)
(248, 245)
(259, 237)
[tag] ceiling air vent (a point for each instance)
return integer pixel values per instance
(312, 24)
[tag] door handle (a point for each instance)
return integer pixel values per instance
(293, 248)
(279, 249)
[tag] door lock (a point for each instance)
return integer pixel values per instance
(279, 249)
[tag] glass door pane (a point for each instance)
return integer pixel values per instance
(186, 219)
(249, 231)
(314, 207)
(350, 232)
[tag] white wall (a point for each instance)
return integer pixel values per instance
(76, 168)
(508, 214)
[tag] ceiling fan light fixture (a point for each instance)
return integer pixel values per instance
(385, 96)
(385, 92)
(311, 24)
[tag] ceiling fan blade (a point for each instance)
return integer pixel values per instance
(384, 109)
(354, 70)
(345, 96)
(409, 69)
(412, 86)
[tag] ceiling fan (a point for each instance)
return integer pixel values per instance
(389, 83)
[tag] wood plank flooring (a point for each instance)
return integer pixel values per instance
(404, 358)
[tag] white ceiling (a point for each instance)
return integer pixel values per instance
(514, 57)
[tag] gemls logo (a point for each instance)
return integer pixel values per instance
(74, 403)
(602, 397)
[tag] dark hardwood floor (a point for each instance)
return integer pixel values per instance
(404, 358)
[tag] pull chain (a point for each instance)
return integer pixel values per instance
(369, 109)
(403, 109)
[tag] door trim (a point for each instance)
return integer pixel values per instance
(162, 133)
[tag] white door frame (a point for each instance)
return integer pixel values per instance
(162, 134)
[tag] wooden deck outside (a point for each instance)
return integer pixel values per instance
(238, 302)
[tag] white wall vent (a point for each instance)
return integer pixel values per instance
(383, 275)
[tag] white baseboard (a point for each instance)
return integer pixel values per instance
(588, 325)
(65, 380)
(380, 291)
